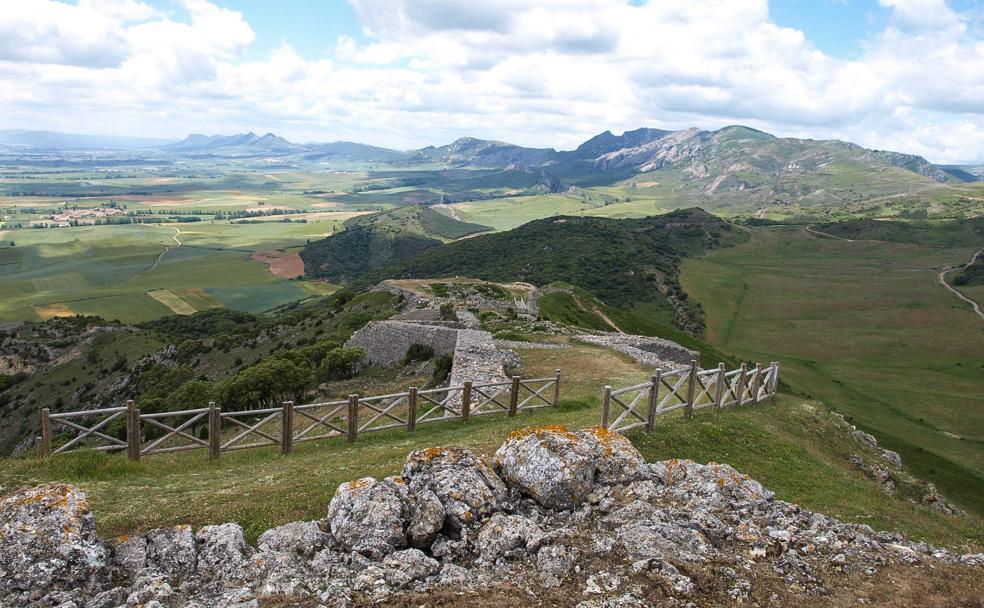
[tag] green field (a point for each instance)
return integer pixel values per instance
(864, 327)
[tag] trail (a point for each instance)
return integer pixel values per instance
(160, 256)
(956, 292)
(833, 236)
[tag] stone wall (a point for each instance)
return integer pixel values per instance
(656, 352)
(386, 342)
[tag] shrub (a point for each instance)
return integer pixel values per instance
(340, 364)
(442, 370)
(447, 312)
(419, 352)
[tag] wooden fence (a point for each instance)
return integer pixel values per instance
(217, 431)
(689, 389)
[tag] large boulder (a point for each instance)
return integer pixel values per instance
(554, 466)
(616, 459)
(369, 516)
(509, 536)
(172, 552)
(468, 489)
(48, 542)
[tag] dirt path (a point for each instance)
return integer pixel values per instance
(956, 292)
(160, 256)
(833, 236)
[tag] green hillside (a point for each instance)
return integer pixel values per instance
(631, 263)
(374, 240)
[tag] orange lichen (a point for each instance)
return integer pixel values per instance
(541, 431)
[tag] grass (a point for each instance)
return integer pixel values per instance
(788, 445)
(863, 326)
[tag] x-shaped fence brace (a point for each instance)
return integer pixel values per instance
(489, 399)
(91, 431)
(440, 405)
(272, 414)
(382, 409)
(324, 420)
(536, 394)
(171, 431)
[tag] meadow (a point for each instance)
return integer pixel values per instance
(864, 326)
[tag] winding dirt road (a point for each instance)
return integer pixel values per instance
(956, 292)
(177, 231)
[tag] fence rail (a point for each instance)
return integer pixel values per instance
(689, 389)
(217, 431)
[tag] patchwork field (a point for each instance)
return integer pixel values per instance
(863, 326)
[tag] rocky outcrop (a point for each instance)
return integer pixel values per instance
(577, 513)
(653, 352)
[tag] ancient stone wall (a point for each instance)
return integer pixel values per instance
(386, 342)
(656, 352)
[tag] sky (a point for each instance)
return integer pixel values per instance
(904, 75)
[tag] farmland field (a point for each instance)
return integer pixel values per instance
(863, 326)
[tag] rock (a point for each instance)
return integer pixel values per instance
(550, 464)
(171, 552)
(427, 519)
(222, 552)
(505, 533)
(618, 461)
(129, 556)
(864, 438)
(893, 458)
(466, 487)
(554, 563)
(48, 542)
(300, 538)
(413, 562)
(368, 516)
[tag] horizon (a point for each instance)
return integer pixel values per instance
(896, 75)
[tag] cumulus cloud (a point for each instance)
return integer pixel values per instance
(550, 73)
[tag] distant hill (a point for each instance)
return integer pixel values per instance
(372, 241)
(631, 263)
(242, 143)
(51, 140)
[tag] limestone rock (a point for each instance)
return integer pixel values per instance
(368, 516)
(468, 489)
(222, 552)
(504, 534)
(171, 552)
(413, 562)
(618, 461)
(298, 538)
(554, 563)
(48, 542)
(427, 519)
(550, 464)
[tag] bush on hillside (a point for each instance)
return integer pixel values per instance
(340, 364)
(418, 352)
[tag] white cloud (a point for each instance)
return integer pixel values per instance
(552, 74)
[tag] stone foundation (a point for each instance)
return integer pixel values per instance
(656, 352)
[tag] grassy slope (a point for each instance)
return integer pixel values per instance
(788, 445)
(864, 326)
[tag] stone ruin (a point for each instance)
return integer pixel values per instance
(576, 514)
(647, 350)
(475, 353)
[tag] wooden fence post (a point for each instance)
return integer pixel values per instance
(353, 418)
(756, 383)
(466, 400)
(719, 395)
(653, 399)
(45, 432)
(556, 398)
(514, 396)
(688, 410)
(287, 429)
(741, 383)
(132, 431)
(412, 409)
(214, 430)
(775, 380)
(605, 405)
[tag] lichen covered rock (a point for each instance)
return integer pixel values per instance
(368, 516)
(550, 464)
(48, 542)
(469, 491)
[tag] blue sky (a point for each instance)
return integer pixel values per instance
(903, 75)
